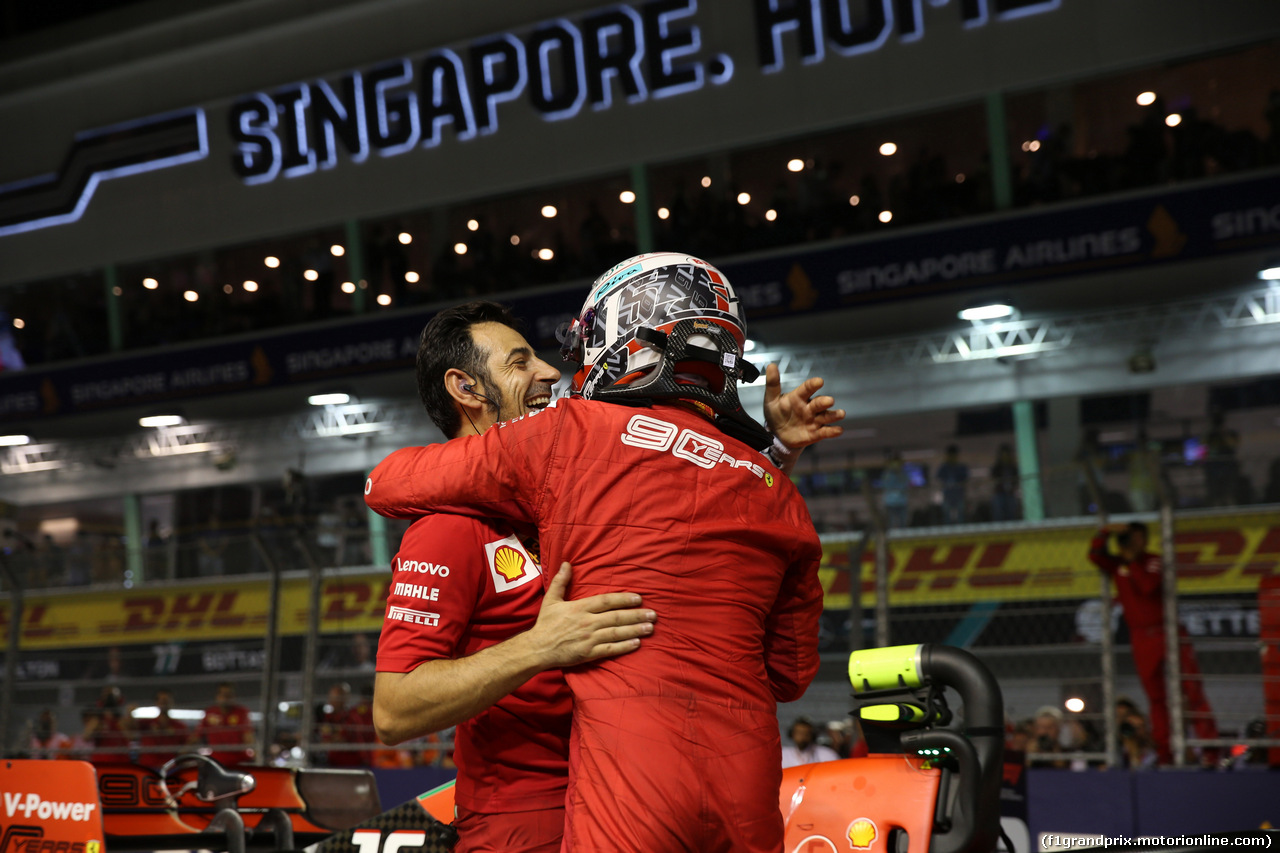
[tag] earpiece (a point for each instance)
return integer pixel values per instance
(470, 388)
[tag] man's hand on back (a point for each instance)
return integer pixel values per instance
(573, 632)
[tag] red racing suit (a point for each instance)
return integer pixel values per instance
(460, 585)
(1140, 588)
(675, 746)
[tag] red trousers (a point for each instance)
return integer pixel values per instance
(1148, 660)
(1271, 696)
(539, 831)
(651, 775)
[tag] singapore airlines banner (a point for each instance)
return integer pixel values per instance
(1141, 230)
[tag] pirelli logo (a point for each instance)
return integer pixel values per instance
(417, 617)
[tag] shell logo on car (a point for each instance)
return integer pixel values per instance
(862, 833)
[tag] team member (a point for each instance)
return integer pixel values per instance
(161, 731)
(804, 747)
(675, 746)
(469, 639)
(227, 728)
(1139, 579)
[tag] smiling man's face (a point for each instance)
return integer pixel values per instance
(518, 382)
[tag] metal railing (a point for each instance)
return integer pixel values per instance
(1019, 595)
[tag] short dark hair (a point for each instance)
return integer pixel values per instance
(447, 343)
(796, 723)
(1126, 535)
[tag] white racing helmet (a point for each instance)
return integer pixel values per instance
(664, 326)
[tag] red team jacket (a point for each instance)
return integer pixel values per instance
(654, 501)
(461, 585)
(1139, 584)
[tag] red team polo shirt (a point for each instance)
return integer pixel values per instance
(222, 728)
(460, 585)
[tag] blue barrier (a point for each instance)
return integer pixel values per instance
(400, 786)
(1167, 802)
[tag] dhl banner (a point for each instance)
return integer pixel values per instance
(1219, 554)
(211, 611)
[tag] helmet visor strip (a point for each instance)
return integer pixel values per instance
(573, 334)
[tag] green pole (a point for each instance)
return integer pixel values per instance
(644, 215)
(133, 539)
(998, 145)
(355, 267)
(1024, 429)
(378, 550)
(115, 329)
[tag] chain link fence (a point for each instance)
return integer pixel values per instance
(1025, 598)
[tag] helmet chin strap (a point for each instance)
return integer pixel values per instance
(660, 383)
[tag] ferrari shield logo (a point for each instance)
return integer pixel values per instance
(510, 565)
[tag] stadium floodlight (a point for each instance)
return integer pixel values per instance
(988, 311)
(14, 440)
(335, 399)
(156, 421)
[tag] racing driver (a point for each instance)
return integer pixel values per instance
(649, 477)
(468, 638)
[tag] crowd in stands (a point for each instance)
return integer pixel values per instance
(1157, 153)
(1052, 738)
(112, 730)
(948, 486)
(1206, 470)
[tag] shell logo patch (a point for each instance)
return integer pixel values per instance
(510, 565)
(862, 833)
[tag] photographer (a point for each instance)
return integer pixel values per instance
(1046, 735)
(1138, 577)
(110, 728)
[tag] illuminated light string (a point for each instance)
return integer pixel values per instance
(559, 66)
